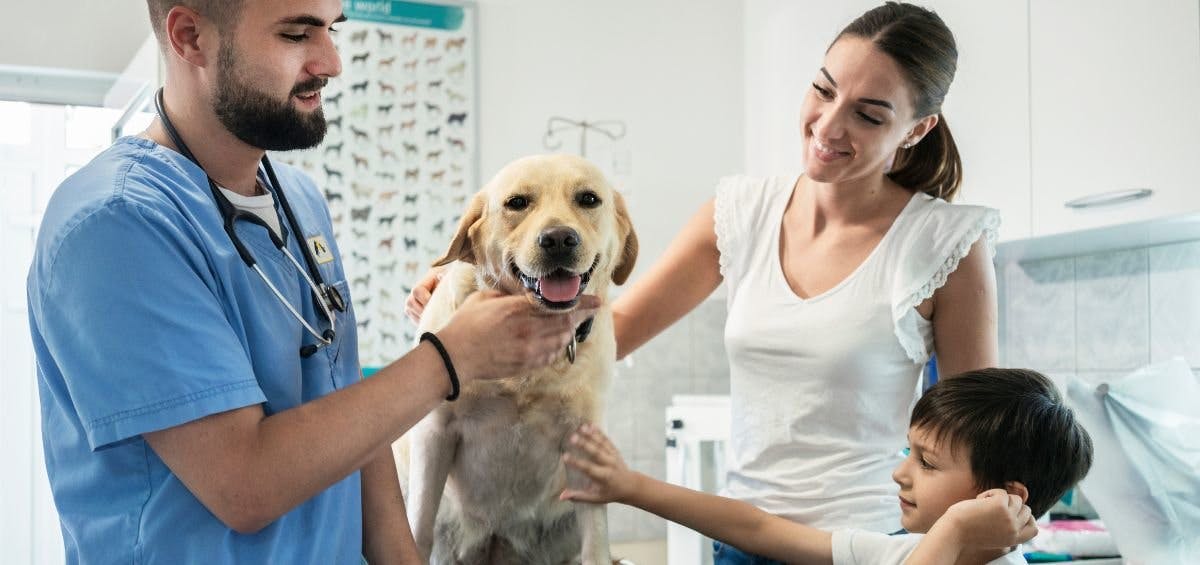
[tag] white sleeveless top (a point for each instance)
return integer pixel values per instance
(822, 388)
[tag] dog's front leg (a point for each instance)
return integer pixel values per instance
(593, 523)
(432, 453)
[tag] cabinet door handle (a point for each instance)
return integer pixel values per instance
(1109, 198)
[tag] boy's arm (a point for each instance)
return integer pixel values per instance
(993, 520)
(387, 537)
(731, 521)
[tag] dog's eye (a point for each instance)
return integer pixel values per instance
(588, 199)
(516, 203)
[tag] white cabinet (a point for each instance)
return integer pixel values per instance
(988, 107)
(1114, 93)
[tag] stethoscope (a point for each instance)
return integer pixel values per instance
(326, 298)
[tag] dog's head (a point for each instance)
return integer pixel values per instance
(551, 224)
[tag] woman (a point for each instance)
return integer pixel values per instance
(841, 282)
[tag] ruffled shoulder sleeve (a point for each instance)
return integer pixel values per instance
(932, 242)
(738, 210)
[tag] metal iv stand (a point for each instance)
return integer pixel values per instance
(612, 129)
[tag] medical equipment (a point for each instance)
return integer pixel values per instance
(326, 298)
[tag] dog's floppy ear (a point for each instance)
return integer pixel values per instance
(462, 247)
(629, 246)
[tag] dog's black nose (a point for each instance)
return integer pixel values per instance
(559, 240)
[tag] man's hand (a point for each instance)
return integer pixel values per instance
(493, 335)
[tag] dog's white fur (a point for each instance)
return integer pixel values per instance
(486, 470)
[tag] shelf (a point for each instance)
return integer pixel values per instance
(1134, 235)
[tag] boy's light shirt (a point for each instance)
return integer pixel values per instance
(860, 547)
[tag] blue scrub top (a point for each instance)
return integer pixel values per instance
(144, 317)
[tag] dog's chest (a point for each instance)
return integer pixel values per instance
(513, 444)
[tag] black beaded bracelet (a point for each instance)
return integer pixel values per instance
(437, 344)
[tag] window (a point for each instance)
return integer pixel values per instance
(40, 145)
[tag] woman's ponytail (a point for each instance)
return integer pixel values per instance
(931, 166)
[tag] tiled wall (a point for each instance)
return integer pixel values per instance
(687, 358)
(1102, 315)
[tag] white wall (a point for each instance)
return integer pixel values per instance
(987, 107)
(670, 69)
(785, 45)
(86, 35)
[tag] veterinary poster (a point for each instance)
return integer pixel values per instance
(400, 158)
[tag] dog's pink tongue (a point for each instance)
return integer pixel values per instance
(559, 289)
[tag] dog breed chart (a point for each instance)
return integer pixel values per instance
(400, 158)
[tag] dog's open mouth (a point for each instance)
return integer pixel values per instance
(558, 289)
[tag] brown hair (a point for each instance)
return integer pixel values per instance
(222, 13)
(1016, 427)
(919, 41)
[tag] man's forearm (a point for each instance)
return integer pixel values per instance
(249, 469)
(308, 448)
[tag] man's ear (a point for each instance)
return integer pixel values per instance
(186, 34)
(1017, 488)
(462, 247)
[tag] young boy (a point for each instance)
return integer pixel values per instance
(988, 451)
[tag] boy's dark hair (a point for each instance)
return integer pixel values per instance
(1016, 427)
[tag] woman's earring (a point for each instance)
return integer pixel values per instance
(907, 145)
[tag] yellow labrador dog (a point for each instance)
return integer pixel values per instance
(485, 470)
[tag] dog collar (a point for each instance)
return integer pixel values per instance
(581, 333)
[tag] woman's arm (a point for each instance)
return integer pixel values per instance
(686, 274)
(964, 315)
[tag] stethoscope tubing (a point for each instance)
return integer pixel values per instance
(324, 295)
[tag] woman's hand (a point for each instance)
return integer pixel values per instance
(599, 460)
(419, 297)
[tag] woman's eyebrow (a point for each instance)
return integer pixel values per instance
(829, 78)
(877, 102)
(872, 101)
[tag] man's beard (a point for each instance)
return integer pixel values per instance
(259, 120)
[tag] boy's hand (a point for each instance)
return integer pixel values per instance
(611, 480)
(994, 519)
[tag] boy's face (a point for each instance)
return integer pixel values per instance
(931, 478)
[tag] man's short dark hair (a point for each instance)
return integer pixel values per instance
(1016, 427)
(223, 13)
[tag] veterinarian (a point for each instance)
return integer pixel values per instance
(200, 390)
(840, 283)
